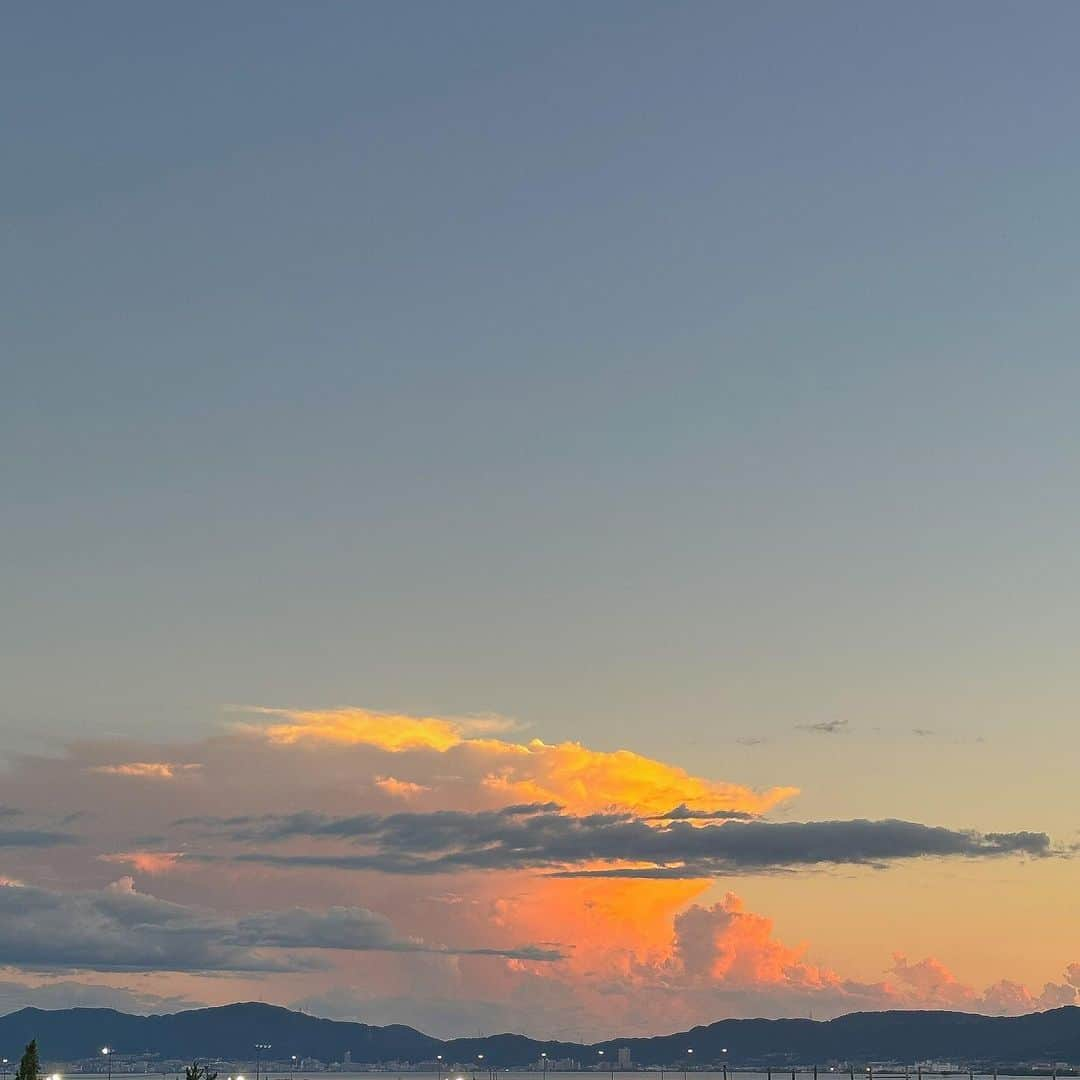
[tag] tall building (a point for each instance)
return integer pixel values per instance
(624, 1057)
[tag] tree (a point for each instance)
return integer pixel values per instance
(29, 1066)
(194, 1071)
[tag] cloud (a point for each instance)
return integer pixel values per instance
(394, 732)
(826, 727)
(583, 779)
(147, 770)
(121, 929)
(146, 862)
(727, 944)
(683, 813)
(311, 797)
(527, 838)
(34, 838)
(401, 789)
(68, 994)
(933, 985)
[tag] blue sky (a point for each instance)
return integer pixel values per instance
(680, 369)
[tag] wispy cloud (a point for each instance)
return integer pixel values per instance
(825, 727)
(149, 770)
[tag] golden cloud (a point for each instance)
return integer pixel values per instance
(393, 732)
(579, 778)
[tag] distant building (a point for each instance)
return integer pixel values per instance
(347, 1059)
(623, 1057)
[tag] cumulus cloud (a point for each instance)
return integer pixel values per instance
(518, 838)
(933, 985)
(477, 800)
(119, 928)
(581, 778)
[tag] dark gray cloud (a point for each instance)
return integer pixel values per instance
(119, 929)
(683, 812)
(451, 841)
(35, 838)
(826, 727)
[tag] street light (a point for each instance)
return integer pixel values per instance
(259, 1048)
(438, 1058)
(107, 1051)
(292, 1066)
(543, 1060)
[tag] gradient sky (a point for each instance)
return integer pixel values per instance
(693, 379)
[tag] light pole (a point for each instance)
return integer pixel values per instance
(108, 1052)
(438, 1065)
(292, 1066)
(689, 1056)
(543, 1061)
(259, 1048)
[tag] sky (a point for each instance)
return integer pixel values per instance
(547, 517)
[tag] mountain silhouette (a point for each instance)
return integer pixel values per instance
(231, 1032)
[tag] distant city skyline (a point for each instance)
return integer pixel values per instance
(548, 517)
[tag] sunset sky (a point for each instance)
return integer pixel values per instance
(540, 516)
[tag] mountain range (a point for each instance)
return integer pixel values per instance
(231, 1032)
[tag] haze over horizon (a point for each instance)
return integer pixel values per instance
(540, 517)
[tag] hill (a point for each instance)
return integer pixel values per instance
(231, 1032)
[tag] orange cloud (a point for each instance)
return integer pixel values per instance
(154, 770)
(581, 779)
(726, 943)
(387, 731)
(585, 781)
(402, 789)
(608, 925)
(146, 862)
